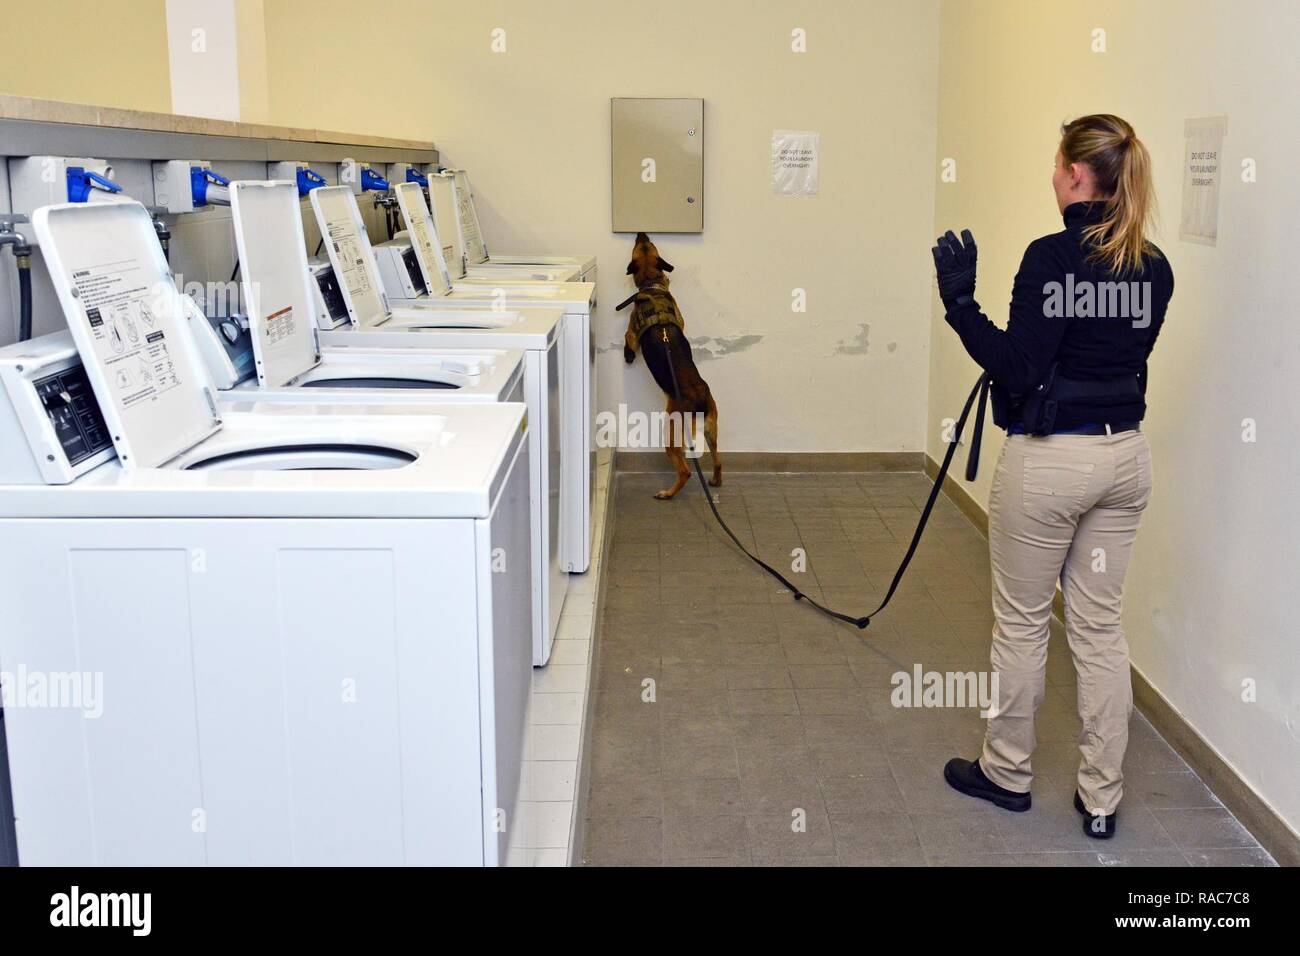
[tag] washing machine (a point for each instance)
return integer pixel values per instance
(472, 242)
(277, 286)
(457, 224)
(278, 638)
(351, 289)
(293, 365)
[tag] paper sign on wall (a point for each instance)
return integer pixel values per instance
(794, 162)
(1202, 172)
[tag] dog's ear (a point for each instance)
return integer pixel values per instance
(664, 264)
(631, 267)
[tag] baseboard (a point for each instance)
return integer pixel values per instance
(1264, 823)
(959, 496)
(1237, 795)
(777, 462)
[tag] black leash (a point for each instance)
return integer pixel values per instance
(979, 392)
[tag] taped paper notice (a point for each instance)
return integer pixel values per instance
(794, 162)
(1202, 172)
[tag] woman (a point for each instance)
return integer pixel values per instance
(1069, 385)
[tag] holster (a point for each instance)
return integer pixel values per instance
(1038, 408)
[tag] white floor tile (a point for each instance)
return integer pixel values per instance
(551, 823)
(560, 678)
(553, 779)
(544, 817)
(571, 652)
(574, 627)
(556, 708)
(555, 741)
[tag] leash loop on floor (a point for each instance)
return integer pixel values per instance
(978, 393)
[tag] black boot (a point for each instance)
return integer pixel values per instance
(1099, 826)
(966, 776)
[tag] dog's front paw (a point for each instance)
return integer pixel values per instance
(665, 495)
(628, 355)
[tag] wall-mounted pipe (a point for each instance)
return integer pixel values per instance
(17, 243)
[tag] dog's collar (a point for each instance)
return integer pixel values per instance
(632, 298)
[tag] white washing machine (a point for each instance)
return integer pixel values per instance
(473, 244)
(277, 282)
(457, 224)
(293, 365)
(279, 639)
(352, 290)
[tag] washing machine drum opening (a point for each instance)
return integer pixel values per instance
(378, 383)
(310, 457)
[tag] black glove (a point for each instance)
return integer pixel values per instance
(954, 265)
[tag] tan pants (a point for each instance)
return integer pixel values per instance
(1064, 507)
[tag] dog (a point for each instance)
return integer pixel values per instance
(657, 330)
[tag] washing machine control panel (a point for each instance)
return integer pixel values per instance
(331, 309)
(74, 414)
(52, 430)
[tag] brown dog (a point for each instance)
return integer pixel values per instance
(656, 329)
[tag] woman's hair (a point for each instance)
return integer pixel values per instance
(1108, 146)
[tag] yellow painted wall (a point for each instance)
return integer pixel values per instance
(1205, 602)
(532, 126)
(254, 95)
(87, 51)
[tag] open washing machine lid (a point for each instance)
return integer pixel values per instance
(446, 218)
(424, 238)
(348, 246)
(471, 235)
(130, 326)
(276, 280)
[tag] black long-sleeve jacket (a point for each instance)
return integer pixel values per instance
(1067, 309)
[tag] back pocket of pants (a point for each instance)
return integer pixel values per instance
(1055, 484)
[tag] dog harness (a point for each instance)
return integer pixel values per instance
(652, 306)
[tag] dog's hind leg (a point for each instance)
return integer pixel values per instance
(711, 434)
(675, 453)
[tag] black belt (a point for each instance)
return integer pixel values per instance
(1113, 428)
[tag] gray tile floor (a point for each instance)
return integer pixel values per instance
(726, 713)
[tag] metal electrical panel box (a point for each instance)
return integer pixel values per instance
(657, 164)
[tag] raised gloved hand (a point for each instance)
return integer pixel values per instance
(954, 265)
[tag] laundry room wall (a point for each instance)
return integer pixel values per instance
(1206, 607)
(88, 51)
(531, 124)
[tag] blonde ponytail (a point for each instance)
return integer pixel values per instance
(1121, 164)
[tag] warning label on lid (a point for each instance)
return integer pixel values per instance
(279, 325)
